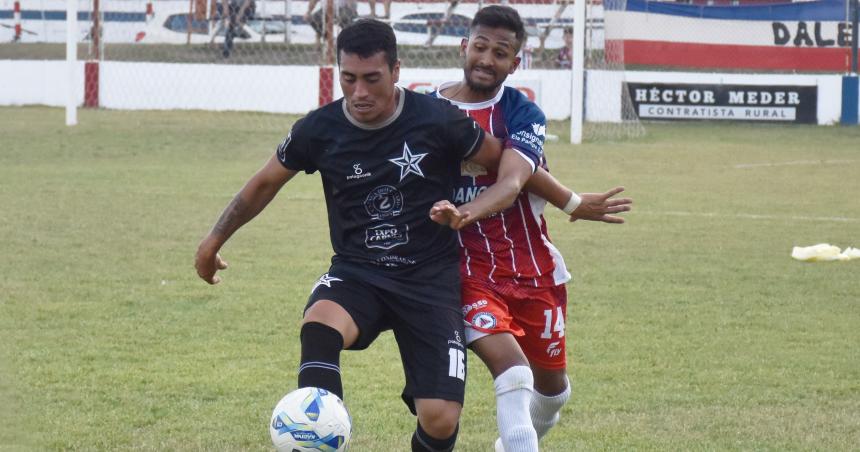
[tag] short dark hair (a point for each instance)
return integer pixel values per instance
(367, 37)
(500, 16)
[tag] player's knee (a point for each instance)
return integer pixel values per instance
(514, 378)
(440, 427)
(439, 418)
(333, 315)
(499, 352)
(550, 381)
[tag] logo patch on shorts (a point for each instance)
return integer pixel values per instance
(552, 350)
(457, 341)
(484, 320)
(325, 280)
(472, 306)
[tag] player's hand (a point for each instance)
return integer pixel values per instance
(446, 214)
(602, 207)
(208, 262)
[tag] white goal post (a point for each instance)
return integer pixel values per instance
(71, 62)
(577, 85)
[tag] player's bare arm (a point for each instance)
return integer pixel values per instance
(250, 201)
(489, 155)
(513, 172)
(588, 206)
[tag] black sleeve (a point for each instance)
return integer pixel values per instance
(294, 152)
(464, 135)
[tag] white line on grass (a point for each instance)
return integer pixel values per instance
(748, 216)
(795, 162)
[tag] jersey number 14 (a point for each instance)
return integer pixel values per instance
(551, 326)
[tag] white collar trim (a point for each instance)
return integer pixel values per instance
(382, 123)
(467, 105)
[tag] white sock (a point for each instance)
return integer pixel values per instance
(514, 388)
(544, 409)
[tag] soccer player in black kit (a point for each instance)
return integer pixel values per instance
(385, 155)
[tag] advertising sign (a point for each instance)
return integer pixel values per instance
(797, 104)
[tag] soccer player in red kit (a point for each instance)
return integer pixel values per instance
(513, 295)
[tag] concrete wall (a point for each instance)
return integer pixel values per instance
(38, 83)
(295, 89)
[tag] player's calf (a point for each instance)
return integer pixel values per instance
(438, 425)
(514, 388)
(544, 409)
(423, 442)
(320, 361)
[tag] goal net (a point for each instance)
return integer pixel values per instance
(609, 111)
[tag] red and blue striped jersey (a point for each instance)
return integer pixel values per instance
(512, 246)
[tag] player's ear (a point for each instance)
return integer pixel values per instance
(464, 43)
(395, 72)
(515, 65)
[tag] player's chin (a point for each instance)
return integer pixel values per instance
(483, 83)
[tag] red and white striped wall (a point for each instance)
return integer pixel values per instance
(808, 36)
(16, 17)
(667, 40)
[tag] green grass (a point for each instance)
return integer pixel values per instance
(690, 327)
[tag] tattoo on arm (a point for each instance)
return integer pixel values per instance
(235, 215)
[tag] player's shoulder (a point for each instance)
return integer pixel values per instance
(514, 95)
(329, 111)
(321, 120)
(429, 102)
(518, 104)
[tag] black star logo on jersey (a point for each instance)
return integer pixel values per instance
(408, 162)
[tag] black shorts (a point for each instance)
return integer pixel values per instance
(422, 309)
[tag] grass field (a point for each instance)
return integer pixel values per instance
(690, 327)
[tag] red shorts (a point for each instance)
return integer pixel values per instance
(534, 315)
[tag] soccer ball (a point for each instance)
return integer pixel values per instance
(310, 419)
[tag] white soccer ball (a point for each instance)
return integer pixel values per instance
(310, 419)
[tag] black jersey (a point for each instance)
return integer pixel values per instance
(381, 182)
